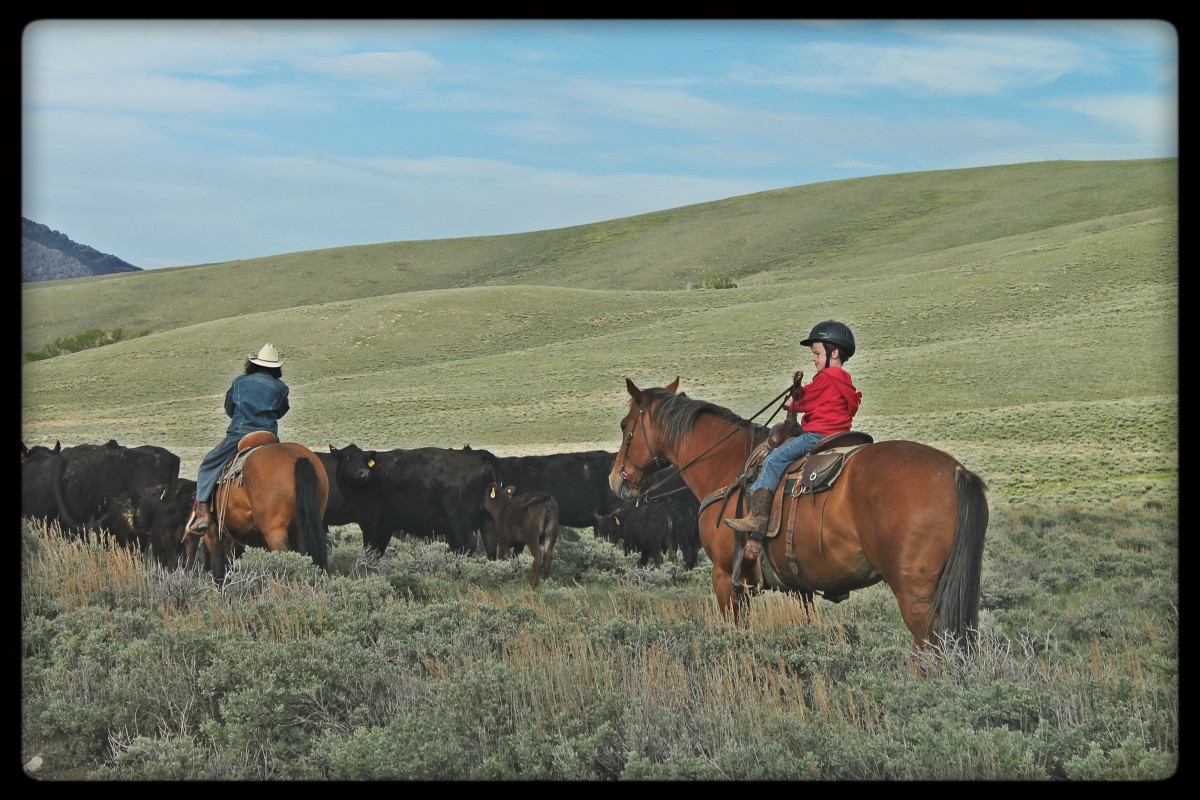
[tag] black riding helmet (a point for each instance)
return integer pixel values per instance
(832, 332)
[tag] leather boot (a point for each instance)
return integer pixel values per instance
(198, 523)
(758, 514)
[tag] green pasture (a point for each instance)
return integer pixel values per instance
(1024, 318)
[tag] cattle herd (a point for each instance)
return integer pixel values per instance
(135, 496)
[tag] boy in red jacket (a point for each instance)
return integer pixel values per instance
(828, 404)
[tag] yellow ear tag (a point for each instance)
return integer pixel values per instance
(370, 462)
(493, 492)
(617, 520)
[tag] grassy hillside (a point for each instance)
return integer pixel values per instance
(1023, 318)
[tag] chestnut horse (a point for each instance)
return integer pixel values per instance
(901, 512)
(276, 501)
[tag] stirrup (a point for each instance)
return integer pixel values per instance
(740, 560)
(196, 527)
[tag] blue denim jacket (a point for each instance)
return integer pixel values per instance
(255, 402)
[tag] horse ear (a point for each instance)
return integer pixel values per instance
(634, 391)
(673, 385)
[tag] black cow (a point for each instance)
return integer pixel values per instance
(337, 511)
(39, 450)
(126, 518)
(112, 469)
(53, 489)
(578, 481)
(427, 491)
(640, 528)
(525, 520)
(685, 528)
(652, 529)
(155, 516)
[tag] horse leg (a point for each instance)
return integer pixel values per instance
(277, 539)
(220, 553)
(731, 607)
(915, 605)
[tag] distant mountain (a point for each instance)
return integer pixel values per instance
(47, 255)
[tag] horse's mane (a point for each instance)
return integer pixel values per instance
(676, 413)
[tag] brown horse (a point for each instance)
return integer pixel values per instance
(276, 500)
(901, 512)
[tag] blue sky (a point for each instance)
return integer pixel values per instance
(173, 142)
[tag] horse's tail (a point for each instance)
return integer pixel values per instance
(309, 528)
(956, 601)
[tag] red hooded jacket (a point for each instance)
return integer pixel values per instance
(828, 403)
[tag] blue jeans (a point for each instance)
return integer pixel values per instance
(210, 467)
(777, 460)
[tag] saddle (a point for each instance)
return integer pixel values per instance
(246, 445)
(256, 439)
(232, 471)
(811, 474)
(814, 472)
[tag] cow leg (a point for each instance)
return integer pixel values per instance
(549, 540)
(536, 572)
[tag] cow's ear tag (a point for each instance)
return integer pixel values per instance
(493, 493)
(617, 520)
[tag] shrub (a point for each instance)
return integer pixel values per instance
(93, 337)
(717, 280)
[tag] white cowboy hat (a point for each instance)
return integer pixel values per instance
(268, 356)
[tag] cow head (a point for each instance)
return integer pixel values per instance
(354, 465)
(496, 499)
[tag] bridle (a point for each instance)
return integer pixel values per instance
(659, 461)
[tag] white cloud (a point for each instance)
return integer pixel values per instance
(1150, 117)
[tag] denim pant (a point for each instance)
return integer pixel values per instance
(779, 458)
(210, 467)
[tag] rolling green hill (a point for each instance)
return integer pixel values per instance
(1022, 317)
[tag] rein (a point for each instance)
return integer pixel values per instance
(641, 410)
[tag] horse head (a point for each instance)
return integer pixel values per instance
(640, 454)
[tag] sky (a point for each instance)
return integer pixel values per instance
(184, 142)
